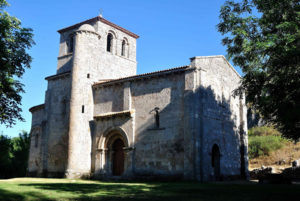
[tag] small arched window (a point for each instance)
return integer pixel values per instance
(215, 156)
(123, 48)
(109, 42)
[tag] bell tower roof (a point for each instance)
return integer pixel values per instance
(101, 19)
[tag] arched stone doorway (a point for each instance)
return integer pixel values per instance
(118, 157)
(113, 157)
(215, 162)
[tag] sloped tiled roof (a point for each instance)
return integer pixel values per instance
(52, 77)
(171, 70)
(37, 107)
(101, 19)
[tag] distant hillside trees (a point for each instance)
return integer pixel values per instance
(14, 155)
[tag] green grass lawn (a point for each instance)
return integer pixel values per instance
(66, 189)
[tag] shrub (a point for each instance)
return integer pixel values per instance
(263, 131)
(264, 140)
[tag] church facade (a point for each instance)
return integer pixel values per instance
(102, 120)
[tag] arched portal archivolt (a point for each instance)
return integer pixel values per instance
(113, 145)
(111, 134)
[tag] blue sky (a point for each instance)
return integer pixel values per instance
(171, 32)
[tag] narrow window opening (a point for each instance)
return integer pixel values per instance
(64, 106)
(123, 48)
(215, 162)
(36, 140)
(70, 44)
(88, 75)
(82, 109)
(109, 43)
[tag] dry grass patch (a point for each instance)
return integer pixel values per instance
(268, 148)
(281, 158)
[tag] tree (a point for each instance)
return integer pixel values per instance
(14, 155)
(262, 37)
(5, 156)
(20, 152)
(14, 42)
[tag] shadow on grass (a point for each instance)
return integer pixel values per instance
(10, 196)
(174, 191)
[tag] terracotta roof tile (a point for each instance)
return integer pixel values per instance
(171, 70)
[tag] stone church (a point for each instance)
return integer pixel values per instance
(102, 120)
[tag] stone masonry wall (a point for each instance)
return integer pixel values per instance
(220, 116)
(157, 151)
(57, 109)
(36, 136)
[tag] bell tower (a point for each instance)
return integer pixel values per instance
(91, 51)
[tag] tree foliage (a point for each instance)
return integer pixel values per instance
(14, 42)
(262, 37)
(14, 155)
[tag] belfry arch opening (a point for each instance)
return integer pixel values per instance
(123, 48)
(70, 43)
(109, 42)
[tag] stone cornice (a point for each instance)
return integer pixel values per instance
(66, 55)
(57, 76)
(126, 113)
(36, 108)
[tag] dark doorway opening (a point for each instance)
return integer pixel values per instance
(215, 162)
(118, 157)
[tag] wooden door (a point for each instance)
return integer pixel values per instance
(118, 158)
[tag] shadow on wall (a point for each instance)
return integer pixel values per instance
(189, 126)
(66, 66)
(164, 151)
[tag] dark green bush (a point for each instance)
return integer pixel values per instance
(264, 140)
